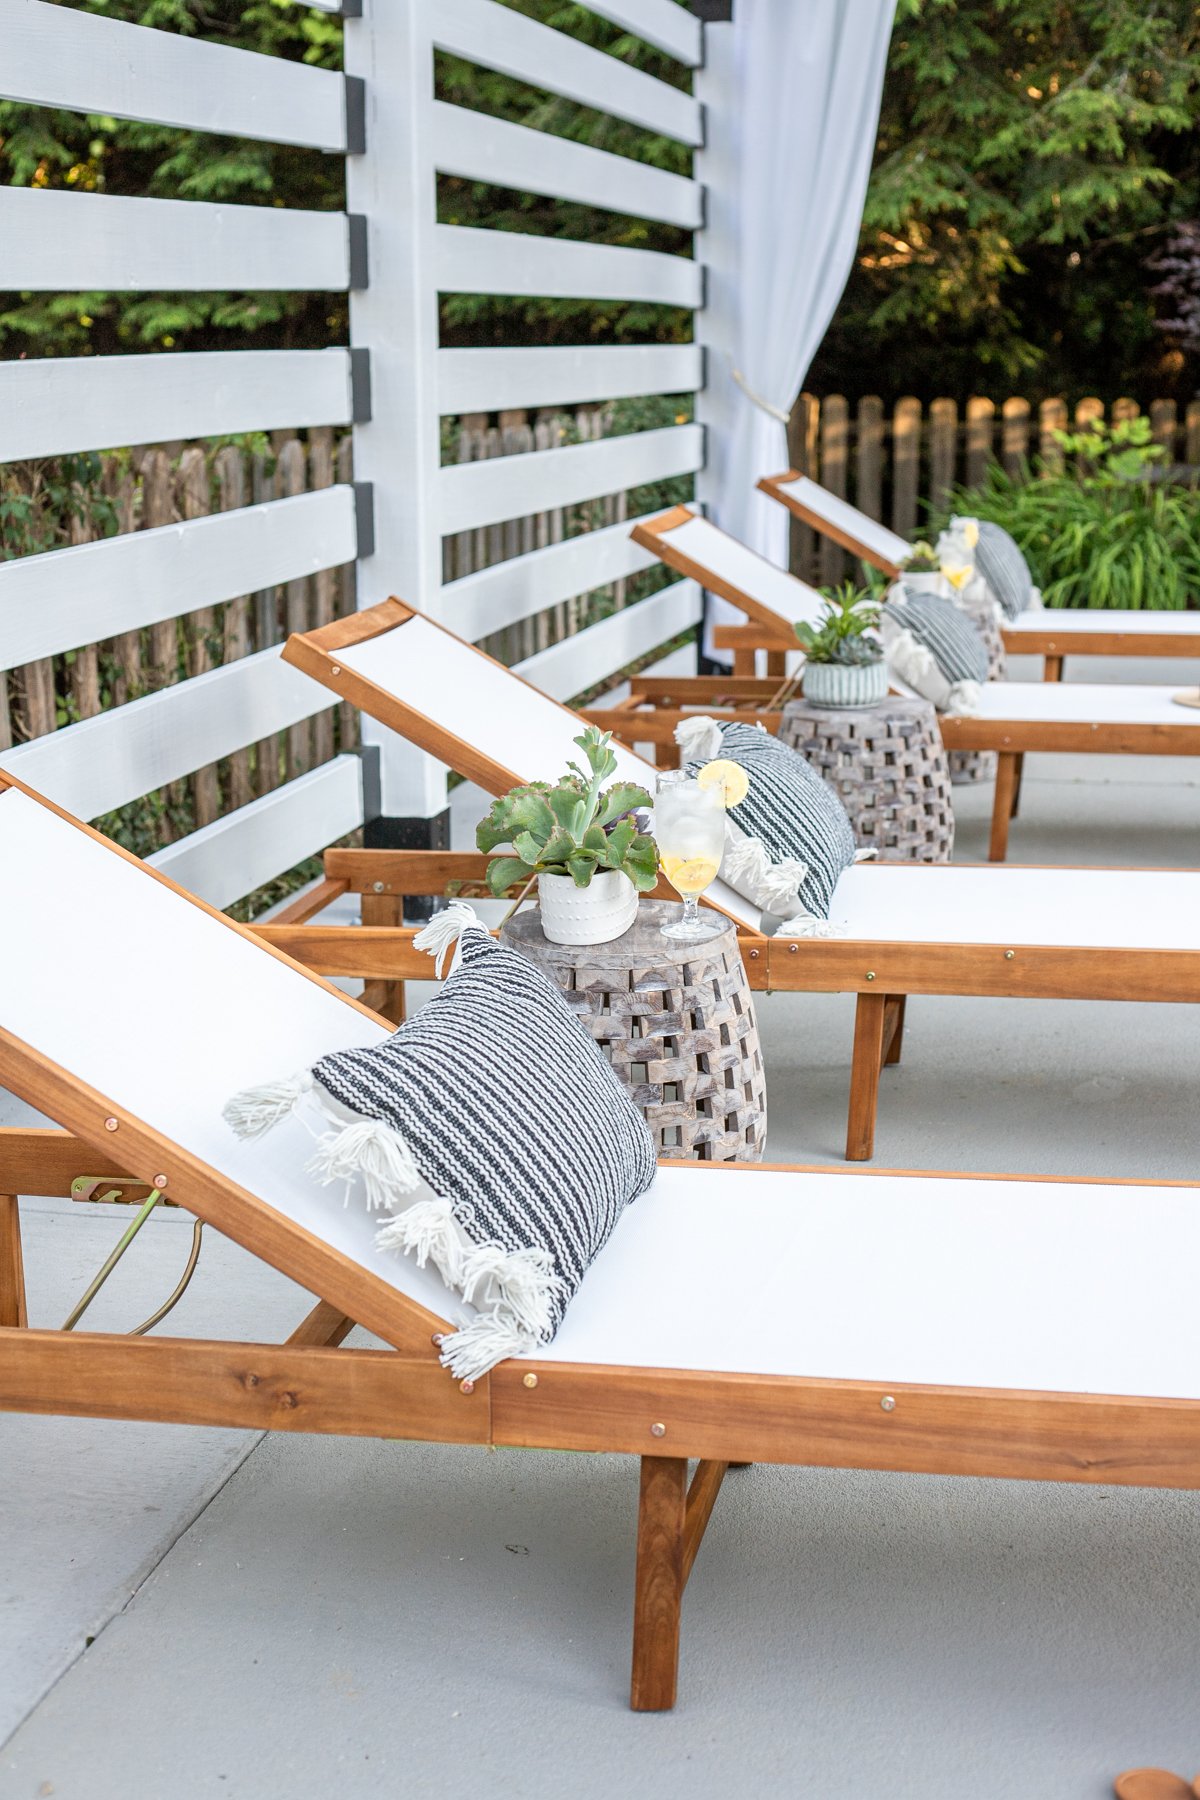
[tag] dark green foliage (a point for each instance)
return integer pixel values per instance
(1031, 155)
(1097, 530)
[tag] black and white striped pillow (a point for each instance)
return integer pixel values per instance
(1001, 562)
(934, 646)
(796, 817)
(495, 1097)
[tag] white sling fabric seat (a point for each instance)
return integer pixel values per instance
(888, 551)
(1008, 1283)
(776, 598)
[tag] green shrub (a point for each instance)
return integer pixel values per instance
(1097, 530)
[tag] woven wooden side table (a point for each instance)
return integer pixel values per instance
(676, 1021)
(887, 765)
(970, 766)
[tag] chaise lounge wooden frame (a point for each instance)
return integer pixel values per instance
(1050, 632)
(887, 954)
(964, 1242)
(1016, 718)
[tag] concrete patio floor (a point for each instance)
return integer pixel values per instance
(187, 1614)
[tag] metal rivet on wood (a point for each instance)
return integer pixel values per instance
(677, 1023)
(888, 767)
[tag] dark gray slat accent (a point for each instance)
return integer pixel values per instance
(364, 517)
(360, 387)
(351, 9)
(356, 114)
(713, 12)
(358, 239)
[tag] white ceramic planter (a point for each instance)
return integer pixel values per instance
(845, 684)
(594, 914)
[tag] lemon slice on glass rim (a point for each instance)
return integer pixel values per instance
(729, 777)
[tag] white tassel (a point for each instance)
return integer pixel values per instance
(445, 930)
(698, 738)
(253, 1111)
(807, 925)
(370, 1150)
(963, 699)
(869, 855)
(772, 886)
(1036, 603)
(513, 1289)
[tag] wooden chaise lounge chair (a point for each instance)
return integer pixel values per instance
(980, 1339)
(906, 928)
(1014, 717)
(1050, 632)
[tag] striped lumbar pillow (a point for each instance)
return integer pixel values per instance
(1006, 574)
(933, 646)
(788, 841)
(496, 1102)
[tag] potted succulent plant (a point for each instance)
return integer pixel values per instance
(581, 841)
(844, 663)
(922, 571)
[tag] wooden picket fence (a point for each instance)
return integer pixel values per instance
(896, 468)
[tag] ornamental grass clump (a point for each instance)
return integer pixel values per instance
(576, 827)
(1097, 530)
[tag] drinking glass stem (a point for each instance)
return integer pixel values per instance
(691, 909)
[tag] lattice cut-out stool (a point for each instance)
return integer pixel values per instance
(970, 766)
(888, 767)
(677, 1023)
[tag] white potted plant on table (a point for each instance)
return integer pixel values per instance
(582, 842)
(844, 663)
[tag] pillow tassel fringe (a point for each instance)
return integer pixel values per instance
(252, 1112)
(371, 1151)
(772, 886)
(963, 699)
(699, 739)
(808, 925)
(513, 1289)
(444, 933)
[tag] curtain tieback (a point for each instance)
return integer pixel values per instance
(776, 412)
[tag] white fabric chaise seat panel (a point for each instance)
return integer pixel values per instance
(482, 703)
(1004, 1283)
(1069, 621)
(889, 546)
(924, 903)
(784, 599)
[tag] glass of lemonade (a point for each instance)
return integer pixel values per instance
(689, 826)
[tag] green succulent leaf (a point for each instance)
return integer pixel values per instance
(505, 872)
(582, 866)
(625, 797)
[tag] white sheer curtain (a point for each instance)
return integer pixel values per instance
(809, 75)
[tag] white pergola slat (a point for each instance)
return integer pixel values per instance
(487, 601)
(569, 668)
(89, 592)
(58, 241)
(228, 859)
(49, 406)
(471, 261)
(491, 380)
(59, 56)
(669, 27)
(509, 486)
(484, 32)
(102, 763)
(481, 148)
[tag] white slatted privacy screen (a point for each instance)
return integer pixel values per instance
(392, 384)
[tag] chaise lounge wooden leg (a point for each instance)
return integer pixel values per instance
(12, 1265)
(658, 1589)
(1053, 670)
(1020, 771)
(1002, 806)
(672, 1519)
(893, 1028)
(387, 998)
(869, 1048)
